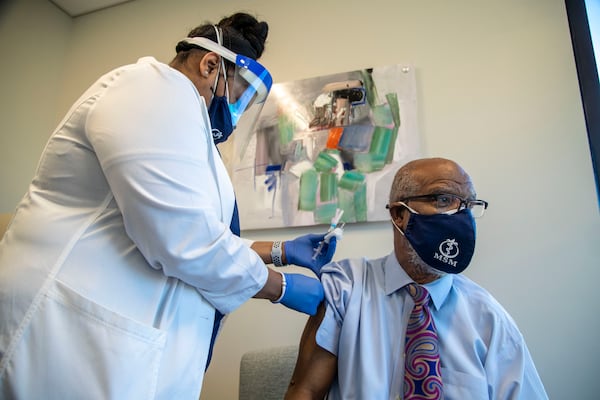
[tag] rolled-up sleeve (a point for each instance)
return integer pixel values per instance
(337, 284)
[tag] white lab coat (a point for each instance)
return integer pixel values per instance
(120, 251)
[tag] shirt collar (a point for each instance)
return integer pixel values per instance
(439, 289)
(396, 278)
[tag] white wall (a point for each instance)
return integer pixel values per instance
(34, 36)
(497, 91)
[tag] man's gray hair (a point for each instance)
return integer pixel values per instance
(405, 184)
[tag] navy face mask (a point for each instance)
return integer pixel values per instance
(220, 119)
(445, 242)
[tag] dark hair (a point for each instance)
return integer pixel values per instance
(242, 33)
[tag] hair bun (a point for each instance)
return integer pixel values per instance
(253, 32)
(242, 34)
(263, 30)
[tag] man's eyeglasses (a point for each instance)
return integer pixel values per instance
(446, 203)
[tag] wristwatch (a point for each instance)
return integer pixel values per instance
(276, 254)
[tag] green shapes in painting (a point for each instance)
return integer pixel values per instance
(328, 190)
(309, 181)
(287, 127)
(376, 158)
(352, 196)
(381, 115)
(327, 197)
(325, 162)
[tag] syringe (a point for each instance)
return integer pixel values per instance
(334, 221)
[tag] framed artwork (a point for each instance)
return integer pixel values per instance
(326, 144)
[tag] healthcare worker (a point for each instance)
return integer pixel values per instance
(124, 252)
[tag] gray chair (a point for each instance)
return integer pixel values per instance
(265, 374)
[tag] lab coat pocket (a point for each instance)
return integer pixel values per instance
(97, 353)
(460, 386)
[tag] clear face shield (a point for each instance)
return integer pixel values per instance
(251, 82)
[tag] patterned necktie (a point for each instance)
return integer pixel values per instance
(422, 376)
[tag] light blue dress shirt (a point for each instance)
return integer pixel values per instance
(483, 354)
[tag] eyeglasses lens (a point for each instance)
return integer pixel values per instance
(477, 208)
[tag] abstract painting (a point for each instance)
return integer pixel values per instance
(326, 144)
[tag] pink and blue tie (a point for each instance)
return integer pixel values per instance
(422, 376)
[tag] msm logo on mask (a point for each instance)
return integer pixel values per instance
(217, 134)
(448, 251)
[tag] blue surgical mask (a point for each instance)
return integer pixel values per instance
(219, 112)
(220, 119)
(445, 242)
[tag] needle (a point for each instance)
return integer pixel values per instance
(334, 221)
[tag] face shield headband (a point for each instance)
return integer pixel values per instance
(250, 76)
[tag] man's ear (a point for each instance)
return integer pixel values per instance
(397, 214)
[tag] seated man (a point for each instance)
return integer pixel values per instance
(367, 342)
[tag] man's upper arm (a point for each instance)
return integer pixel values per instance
(315, 367)
(317, 364)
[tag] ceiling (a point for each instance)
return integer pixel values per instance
(78, 7)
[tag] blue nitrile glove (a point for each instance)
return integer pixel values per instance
(302, 293)
(301, 250)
